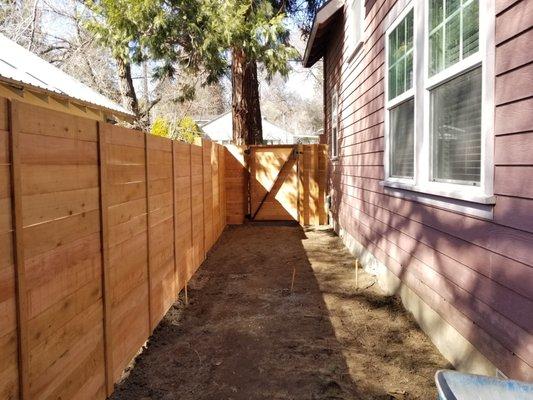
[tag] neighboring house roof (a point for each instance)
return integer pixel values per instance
(319, 33)
(221, 129)
(22, 67)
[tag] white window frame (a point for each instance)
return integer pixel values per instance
(335, 122)
(356, 27)
(460, 196)
(407, 95)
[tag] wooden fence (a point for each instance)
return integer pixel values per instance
(100, 229)
(279, 182)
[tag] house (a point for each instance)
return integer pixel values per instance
(27, 78)
(220, 130)
(429, 121)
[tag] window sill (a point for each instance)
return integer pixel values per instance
(354, 52)
(469, 202)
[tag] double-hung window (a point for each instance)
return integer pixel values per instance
(439, 101)
(400, 98)
(356, 19)
(334, 125)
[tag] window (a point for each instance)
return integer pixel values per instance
(439, 99)
(400, 97)
(334, 125)
(456, 130)
(355, 24)
(402, 140)
(453, 32)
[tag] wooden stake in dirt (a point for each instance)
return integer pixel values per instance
(293, 276)
(186, 295)
(357, 274)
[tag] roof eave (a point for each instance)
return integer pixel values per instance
(125, 115)
(322, 21)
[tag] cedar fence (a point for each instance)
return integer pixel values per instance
(100, 229)
(277, 182)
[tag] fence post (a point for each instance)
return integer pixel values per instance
(174, 188)
(104, 238)
(147, 176)
(203, 202)
(18, 251)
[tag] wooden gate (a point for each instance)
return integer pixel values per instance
(287, 183)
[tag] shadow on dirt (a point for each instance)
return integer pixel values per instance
(244, 335)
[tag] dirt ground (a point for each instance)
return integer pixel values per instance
(244, 335)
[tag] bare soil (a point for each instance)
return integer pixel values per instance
(244, 335)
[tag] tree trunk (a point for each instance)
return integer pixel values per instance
(127, 90)
(247, 126)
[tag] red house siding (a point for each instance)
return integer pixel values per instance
(476, 274)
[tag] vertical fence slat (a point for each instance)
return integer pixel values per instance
(18, 242)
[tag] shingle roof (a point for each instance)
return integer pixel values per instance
(20, 66)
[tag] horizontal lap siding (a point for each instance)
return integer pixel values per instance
(62, 261)
(478, 275)
(514, 107)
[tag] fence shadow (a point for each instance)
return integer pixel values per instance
(245, 336)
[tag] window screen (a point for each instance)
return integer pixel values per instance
(401, 57)
(401, 124)
(456, 129)
(453, 32)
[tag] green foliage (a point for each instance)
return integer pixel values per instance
(161, 127)
(166, 32)
(120, 25)
(253, 26)
(198, 35)
(188, 130)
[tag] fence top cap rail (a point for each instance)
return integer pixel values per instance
(272, 146)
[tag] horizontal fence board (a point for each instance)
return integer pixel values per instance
(110, 227)
(46, 207)
(42, 179)
(60, 228)
(207, 195)
(47, 122)
(183, 214)
(161, 227)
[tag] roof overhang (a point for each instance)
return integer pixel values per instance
(122, 113)
(322, 25)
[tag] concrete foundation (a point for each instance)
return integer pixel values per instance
(453, 346)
